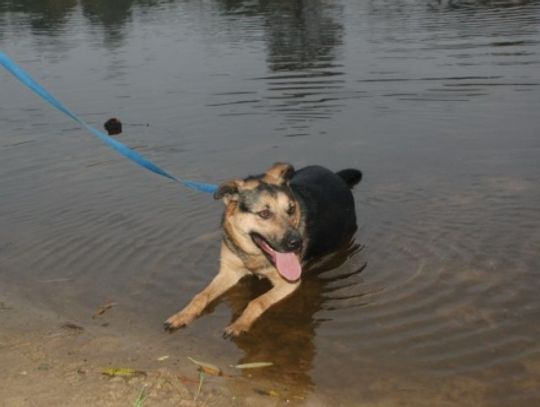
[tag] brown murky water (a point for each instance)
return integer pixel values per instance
(437, 102)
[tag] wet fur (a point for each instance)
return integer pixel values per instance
(312, 213)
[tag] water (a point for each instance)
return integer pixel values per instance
(437, 103)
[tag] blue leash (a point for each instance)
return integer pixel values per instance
(27, 80)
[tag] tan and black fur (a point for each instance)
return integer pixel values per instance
(282, 212)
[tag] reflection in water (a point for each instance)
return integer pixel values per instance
(302, 38)
(286, 332)
(472, 4)
(111, 15)
(45, 17)
(300, 34)
(50, 17)
(302, 41)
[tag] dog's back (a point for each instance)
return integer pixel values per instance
(328, 206)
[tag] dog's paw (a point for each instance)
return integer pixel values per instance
(177, 321)
(234, 330)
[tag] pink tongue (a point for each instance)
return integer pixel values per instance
(288, 265)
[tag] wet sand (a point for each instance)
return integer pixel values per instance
(49, 361)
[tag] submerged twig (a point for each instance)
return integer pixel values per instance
(102, 310)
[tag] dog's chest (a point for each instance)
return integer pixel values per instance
(256, 264)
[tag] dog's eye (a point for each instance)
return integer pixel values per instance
(264, 214)
(291, 210)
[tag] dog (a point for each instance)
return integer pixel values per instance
(273, 224)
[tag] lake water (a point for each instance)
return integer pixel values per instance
(437, 102)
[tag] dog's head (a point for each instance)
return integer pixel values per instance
(262, 217)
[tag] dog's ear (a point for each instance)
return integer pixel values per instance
(228, 191)
(279, 174)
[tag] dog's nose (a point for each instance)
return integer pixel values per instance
(293, 242)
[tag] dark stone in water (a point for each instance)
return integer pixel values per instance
(113, 126)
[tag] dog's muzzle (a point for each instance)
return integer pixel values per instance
(292, 241)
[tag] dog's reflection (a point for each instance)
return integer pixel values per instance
(285, 334)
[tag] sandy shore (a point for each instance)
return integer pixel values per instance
(49, 361)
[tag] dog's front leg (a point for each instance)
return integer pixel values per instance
(230, 272)
(259, 305)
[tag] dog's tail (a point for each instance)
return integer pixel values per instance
(350, 176)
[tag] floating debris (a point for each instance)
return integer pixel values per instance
(264, 392)
(122, 372)
(254, 365)
(162, 358)
(103, 310)
(207, 368)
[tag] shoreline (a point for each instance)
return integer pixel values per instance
(49, 360)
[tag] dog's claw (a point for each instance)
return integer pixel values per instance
(170, 327)
(177, 321)
(233, 332)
